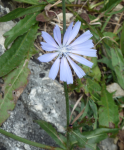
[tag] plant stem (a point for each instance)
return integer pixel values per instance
(67, 111)
(27, 141)
(64, 16)
(65, 84)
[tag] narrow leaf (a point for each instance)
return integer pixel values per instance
(13, 56)
(33, 2)
(52, 132)
(118, 65)
(21, 12)
(20, 28)
(14, 84)
(122, 40)
(98, 135)
(111, 5)
(94, 109)
(15, 137)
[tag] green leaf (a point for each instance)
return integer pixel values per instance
(93, 88)
(85, 111)
(115, 12)
(122, 40)
(77, 85)
(58, 138)
(33, 2)
(51, 1)
(81, 140)
(106, 61)
(21, 12)
(118, 65)
(13, 56)
(32, 51)
(14, 84)
(20, 28)
(108, 112)
(94, 71)
(112, 36)
(27, 141)
(111, 5)
(98, 135)
(94, 108)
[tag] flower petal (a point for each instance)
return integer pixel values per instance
(67, 33)
(87, 52)
(47, 57)
(54, 69)
(62, 70)
(57, 34)
(74, 32)
(80, 73)
(84, 37)
(69, 78)
(47, 47)
(84, 45)
(81, 60)
(48, 38)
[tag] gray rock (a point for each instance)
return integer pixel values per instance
(108, 144)
(4, 27)
(21, 123)
(46, 97)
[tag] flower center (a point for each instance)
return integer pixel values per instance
(63, 50)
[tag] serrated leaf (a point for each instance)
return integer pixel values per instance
(13, 56)
(21, 12)
(122, 40)
(58, 138)
(20, 28)
(33, 2)
(14, 84)
(118, 65)
(108, 112)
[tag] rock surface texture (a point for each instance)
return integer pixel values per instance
(42, 99)
(4, 27)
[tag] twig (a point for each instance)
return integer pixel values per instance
(116, 28)
(75, 107)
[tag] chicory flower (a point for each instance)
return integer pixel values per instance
(64, 52)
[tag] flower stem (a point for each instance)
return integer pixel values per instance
(67, 111)
(64, 16)
(65, 84)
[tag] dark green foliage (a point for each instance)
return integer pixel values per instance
(20, 28)
(19, 12)
(13, 56)
(60, 140)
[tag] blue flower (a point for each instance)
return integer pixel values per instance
(64, 52)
